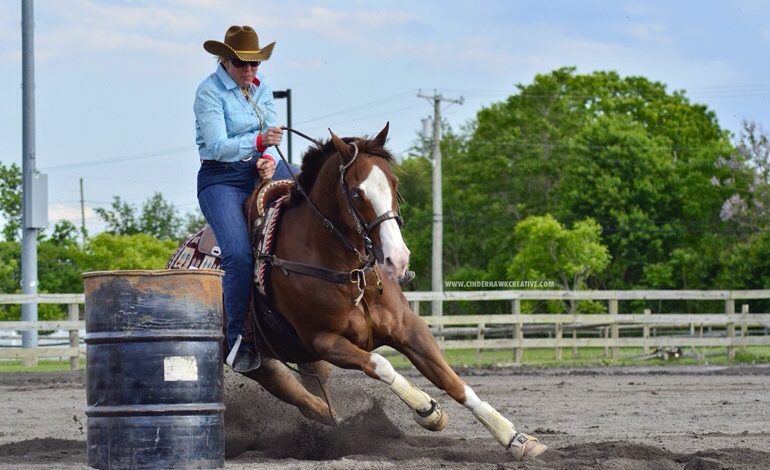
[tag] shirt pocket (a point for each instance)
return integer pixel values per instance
(238, 119)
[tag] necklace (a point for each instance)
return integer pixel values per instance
(259, 112)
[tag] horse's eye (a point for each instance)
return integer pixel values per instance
(355, 194)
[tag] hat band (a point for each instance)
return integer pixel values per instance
(257, 51)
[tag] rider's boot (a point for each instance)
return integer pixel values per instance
(243, 357)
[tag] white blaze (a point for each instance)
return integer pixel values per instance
(394, 250)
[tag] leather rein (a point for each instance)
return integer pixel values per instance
(368, 259)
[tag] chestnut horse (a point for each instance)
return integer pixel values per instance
(344, 220)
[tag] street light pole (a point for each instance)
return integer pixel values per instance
(286, 94)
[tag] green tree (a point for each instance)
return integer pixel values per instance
(121, 218)
(546, 250)
(10, 200)
(106, 252)
(64, 233)
(193, 221)
(159, 218)
(638, 159)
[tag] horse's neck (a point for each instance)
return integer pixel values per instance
(315, 241)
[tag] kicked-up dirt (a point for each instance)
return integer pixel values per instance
(670, 417)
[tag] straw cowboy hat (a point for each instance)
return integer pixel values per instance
(240, 42)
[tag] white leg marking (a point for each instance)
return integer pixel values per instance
(377, 190)
(496, 423)
(415, 398)
(383, 368)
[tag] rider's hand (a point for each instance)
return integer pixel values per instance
(265, 168)
(272, 136)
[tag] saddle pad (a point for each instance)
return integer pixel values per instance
(263, 244)
(198, 251)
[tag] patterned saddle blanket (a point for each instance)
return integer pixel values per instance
(201, 251)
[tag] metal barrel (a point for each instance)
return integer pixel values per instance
(154, 373)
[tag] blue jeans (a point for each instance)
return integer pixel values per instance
(222, 190)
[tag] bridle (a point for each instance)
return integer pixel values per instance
(368, 258)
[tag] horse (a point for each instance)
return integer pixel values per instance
(334, 278)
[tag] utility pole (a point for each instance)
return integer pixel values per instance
(34, 184)
(82, 213)
(437, 271)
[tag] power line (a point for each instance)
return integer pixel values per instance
(125, 158)
(388, 99)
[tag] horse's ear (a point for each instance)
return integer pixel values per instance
(383, 135)
(341, 146)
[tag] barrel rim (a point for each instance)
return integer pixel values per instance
(152, 273)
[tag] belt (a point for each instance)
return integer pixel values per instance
(218, 163)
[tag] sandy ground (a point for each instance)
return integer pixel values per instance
(609, 418)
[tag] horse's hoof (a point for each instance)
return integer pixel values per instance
(435, 420)
(523, 446)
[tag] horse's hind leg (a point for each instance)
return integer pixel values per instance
(312, 374)
(415, 340)
(281, 383)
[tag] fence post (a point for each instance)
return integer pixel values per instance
(518, 333)
(702, 355)
(574, 342)
(558, 333)
(730, 311)
(606, 333)
(416, 307)
(744, 320)
(613, 304)
(480, 338)
(646, 332)
(73, 314)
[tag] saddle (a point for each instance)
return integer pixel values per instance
(201, 251)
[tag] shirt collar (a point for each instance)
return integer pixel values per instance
(225, 77)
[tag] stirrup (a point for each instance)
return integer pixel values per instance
(253, 363)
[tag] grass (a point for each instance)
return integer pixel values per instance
(590, 357)
(12, 366)
(532, 357)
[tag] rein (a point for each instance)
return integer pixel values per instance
(368, 259)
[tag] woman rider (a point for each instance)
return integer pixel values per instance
(236, 133)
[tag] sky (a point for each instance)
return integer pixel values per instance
(115, 80)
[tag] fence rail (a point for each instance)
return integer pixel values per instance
(605, 327)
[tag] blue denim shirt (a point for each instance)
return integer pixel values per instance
(226, 124)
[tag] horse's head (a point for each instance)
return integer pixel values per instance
(366, 194)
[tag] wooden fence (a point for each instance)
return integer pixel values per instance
(29, 356)
(608, 325)
(519, 331)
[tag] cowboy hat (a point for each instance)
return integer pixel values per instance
(240, 42)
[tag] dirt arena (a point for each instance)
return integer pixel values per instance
(609, 418)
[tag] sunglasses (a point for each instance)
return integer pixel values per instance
(238, 63)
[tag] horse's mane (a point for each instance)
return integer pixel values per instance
(315, 158)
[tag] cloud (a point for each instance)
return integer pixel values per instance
(357, 27)
(59, 211)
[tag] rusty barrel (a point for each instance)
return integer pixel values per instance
(154, 375)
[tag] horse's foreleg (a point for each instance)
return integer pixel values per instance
(281, 383)
(342, 353)
(416, 341)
